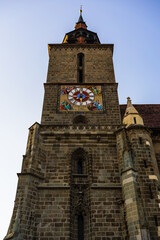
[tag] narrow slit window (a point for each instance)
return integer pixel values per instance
(145, 164)
(135, 121)
(80, 76)
(140, 140)
(156, 221)
(80, 227)
(80, 60)
(80, 166)
(80, 67)
(150, 191)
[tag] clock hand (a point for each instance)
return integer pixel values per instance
(81, 95)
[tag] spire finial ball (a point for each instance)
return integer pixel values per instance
(80, 9)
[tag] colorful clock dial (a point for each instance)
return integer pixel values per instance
(81, 96)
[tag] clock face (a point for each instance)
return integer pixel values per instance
(81, 96)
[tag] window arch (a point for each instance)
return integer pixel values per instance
(80, 119)
(80, 166)
(80, 67)
(79, 162)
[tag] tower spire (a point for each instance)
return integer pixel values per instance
(131, 115)
(80, 23)
(81, 35)
(80, 20)
(80, 10)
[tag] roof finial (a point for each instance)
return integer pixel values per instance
(80, 20)
(80, 10)
(129, 102)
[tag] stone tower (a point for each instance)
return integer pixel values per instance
(73, 184)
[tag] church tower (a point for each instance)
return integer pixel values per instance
(73, 184)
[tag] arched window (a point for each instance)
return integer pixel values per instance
(80, 120)
(80, 67)
(80, 227)
(80, 166)
(79, 162)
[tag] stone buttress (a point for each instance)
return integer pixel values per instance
(139, 177)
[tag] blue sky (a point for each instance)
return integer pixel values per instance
(26, 27)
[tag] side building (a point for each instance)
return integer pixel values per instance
(91, 168)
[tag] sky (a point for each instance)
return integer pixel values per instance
(26, 28)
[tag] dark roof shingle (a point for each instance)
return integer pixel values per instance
(149, 112)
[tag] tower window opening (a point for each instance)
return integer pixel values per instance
(80, 166)
(135, 121)
(156, 221)
(79, 162)
(80, 60)
(150, 191)
(80, 76)
(145, 164)
(140, 140)
(80, 67)
(80, 227)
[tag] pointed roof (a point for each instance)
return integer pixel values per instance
(149, 112)
(131, 115)
(80, 20)
(80, 23)
(130, 109)
(81, 35)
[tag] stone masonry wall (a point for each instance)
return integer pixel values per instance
(156, 145)
(148, 175)
(140, 183)
(106, 215)
(100, 184)
(53, 214)
(98, 64)
(22, 225)
(110, 117)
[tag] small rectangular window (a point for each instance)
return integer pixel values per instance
(80, 167)
(80, 227)
(150, 192)
(80, 67)
(156, 221)
(80, 60)
(140, 140)
(145, 164)
(135, 121)
(80, 76)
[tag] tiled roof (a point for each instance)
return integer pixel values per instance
(149, 112)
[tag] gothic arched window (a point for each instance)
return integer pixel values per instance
(79, 162)
(80, 67)
(80, 166)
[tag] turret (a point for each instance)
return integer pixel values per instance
(131, 115)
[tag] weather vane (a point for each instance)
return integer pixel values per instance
(81, 10)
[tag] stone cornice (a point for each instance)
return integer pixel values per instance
(77, 129)
(132, 126)
(83, 46)
(53, 186)
(59, 45)
(75, 83)
(106, 186)
(128, 169)
(31, 174)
